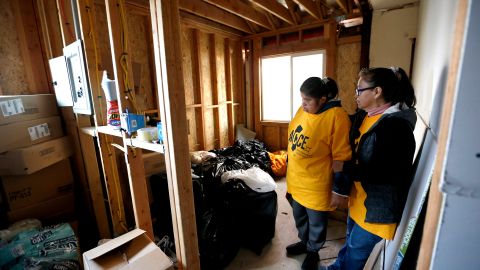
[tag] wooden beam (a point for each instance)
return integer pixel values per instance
(198, 76)
(271, 20)
(214, 86)
(310, 7)
(122, 66)
(50, 26)
(291, 8)
(66, 21)
(229, 91)
(343, 5)
(193, 21)
(86, 14)
(242, 10)
(276, 9)
(214, 13)
(171, 93)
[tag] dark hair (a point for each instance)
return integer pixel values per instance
(396, 87)
(318, 88)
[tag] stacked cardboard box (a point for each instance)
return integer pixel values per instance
(35, 171)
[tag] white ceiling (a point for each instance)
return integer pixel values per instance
(387, 4)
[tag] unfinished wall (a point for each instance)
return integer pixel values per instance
(392, 34)
(348, 66)
(13, 79)
(213, 93)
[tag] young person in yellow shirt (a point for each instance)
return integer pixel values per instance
(381, 168)
(317, 147)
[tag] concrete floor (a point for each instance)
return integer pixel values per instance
(274, 256)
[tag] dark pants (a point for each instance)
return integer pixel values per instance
(311, 226)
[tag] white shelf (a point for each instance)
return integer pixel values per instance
(155, 147)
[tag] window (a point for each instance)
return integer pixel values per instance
(281, 80)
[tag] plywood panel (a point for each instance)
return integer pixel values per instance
(204, 54)
(187, 61)
(348, 66)
(101, 28)
(271, 135)
(138, 33)
(238, 81)
(283, 138)
(220, 66)
(13, 80)
(192, 132)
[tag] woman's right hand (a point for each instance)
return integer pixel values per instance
(338, 201)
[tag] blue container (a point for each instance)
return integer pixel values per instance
(160, 132)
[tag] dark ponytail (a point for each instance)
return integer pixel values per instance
(396, 87)
(318, 88)
(405, 92)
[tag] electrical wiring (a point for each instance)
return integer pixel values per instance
(91, 35)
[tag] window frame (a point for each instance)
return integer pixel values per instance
(322, 51)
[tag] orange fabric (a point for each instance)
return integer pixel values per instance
(279, 162)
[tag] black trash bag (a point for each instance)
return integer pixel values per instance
(217, 242)
(160, 207)
(230, 164)
(253, 214)
(254, 152)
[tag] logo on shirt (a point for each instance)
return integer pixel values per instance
(297, 139)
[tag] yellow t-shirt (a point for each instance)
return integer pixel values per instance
(314, 141)
(357, 209)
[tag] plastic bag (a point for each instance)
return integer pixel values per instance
(198, 157)
(255, 178)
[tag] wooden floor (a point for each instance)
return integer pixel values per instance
(274, 255)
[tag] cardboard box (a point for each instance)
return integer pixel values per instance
(133, 250)
(46, 210)
(28, 160)
(25, 190)
(26, 107)
(25, 133)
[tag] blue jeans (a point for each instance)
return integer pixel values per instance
(357, 248)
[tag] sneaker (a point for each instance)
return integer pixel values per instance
(296, 249)
(311, 261)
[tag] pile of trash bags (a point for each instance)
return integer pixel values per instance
(238, 202)
(235, 201)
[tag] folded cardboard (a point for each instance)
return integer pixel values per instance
(26, 107)
(28, 160)
(46, 210)
(30, 132)
(133, 250)
(24, 190)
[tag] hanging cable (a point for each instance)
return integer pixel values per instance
(92, 36)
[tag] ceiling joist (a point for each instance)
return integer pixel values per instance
(213, 13)
(342, 5)
(275, 8)
(242, 10)
(310, 7)
(291, 8)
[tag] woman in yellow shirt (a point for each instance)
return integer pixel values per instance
(383, 146)
(317, 147)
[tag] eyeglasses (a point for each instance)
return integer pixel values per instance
(358, 91)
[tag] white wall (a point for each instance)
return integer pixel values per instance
(458, 236)
(391, 38)
(433, 51)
